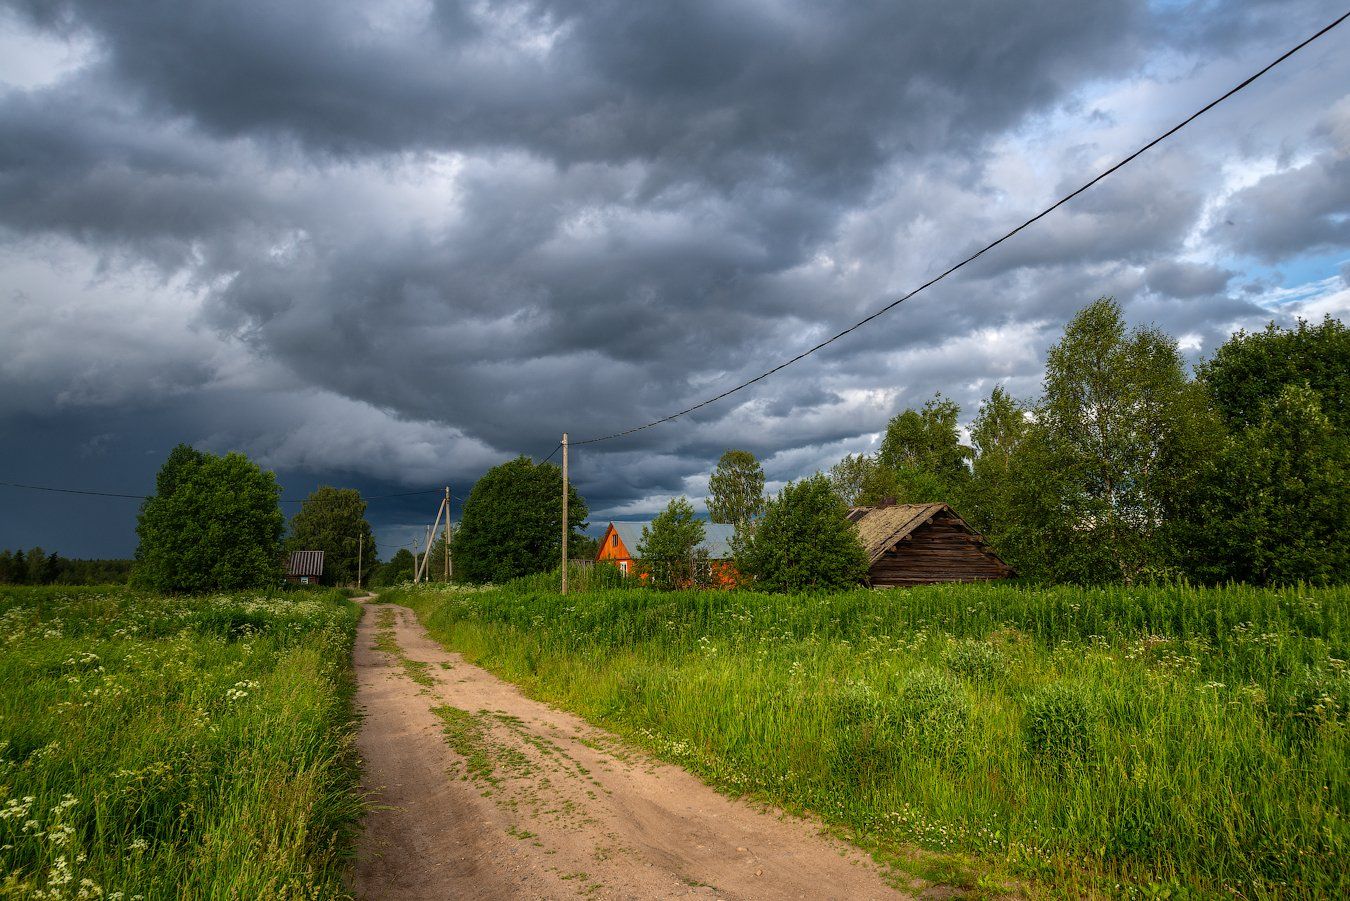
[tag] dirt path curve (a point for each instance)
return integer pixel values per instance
(481, 792)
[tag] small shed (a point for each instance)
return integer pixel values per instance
(918, 544)
(620, 542)
(305, 567)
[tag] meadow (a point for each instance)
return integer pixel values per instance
(175, 747)
(1146, 742)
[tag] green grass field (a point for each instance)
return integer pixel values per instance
(1148, 742)
(156, 747)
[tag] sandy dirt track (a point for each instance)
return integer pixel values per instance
(521, 800)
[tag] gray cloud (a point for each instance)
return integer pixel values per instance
(384, 242)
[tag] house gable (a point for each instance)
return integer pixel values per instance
(917, 544)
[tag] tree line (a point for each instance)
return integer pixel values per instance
(39, 567)
(1125, 468)
(1128, 468)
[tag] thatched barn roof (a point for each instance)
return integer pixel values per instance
(881, 527)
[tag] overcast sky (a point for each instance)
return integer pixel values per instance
(390, 244)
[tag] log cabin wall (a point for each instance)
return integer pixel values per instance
(941, 550)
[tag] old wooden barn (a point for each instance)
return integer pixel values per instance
(305, 567)
(917, 544)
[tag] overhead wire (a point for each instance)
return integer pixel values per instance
(864, 321)
(986, 248)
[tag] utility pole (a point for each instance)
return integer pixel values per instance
(360, 556)
(564, 524)
(447, 534)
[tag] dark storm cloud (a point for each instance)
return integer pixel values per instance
(1300, 210)
(1178, 278)
(397, 241)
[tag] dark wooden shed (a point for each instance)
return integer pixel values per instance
(305, 567)
(918, 544)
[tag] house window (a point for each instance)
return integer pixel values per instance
(623, 567)
(304, 580)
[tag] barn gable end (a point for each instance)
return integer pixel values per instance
(918, 544)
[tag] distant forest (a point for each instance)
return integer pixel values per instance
(38, 567)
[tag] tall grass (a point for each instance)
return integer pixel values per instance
(1130, 740)
(155, 747)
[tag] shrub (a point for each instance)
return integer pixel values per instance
(864, 740)
(933, 713)
(805, 541)
(1057, 724)
(974, 659)
(670, 550)
(213, 523)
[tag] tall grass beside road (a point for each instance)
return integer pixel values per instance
(1167, 741)
(187, 747)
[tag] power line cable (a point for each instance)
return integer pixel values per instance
(990, 246)
(139, 497)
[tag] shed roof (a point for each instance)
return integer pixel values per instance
(716, 537)
(305, 563)
(881, 527)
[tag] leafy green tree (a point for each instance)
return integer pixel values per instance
(1115, 442)
(1251, 370)
(927, 440)
(805, 542)
(1275, 509)
(669, 549)
(6, 567)
(333, 520)
(512, 522)
(397, 570)
(998, 432)
(736, 489)
(851, 478)
(213, 523)
(42, 568)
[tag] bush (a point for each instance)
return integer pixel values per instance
(974, 660)
(933, 713)
(805, 542)
(1057, 724)
(669, 550)
(213, 523)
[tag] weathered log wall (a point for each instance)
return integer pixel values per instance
(943, 550)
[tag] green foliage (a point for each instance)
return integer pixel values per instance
(998, 433)
(1275, 507)
(397, 570)
(736, 489)
(1090, 488)
(37, 567)
(805, 542)
(1132, 737)
(214, 523)
(333, 520)
(923, 450)
(853, 479)
(978, 661)
(934, 713)
(1251, 370)
(512, 522)
(1058, 724)
(168, 747)
(669, 550)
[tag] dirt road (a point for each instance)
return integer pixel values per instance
(484, 793)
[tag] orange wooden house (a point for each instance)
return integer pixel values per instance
(620, 542)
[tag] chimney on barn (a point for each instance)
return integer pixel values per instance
(886, 502)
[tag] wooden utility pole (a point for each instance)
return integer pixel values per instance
(564, 524)
(447, 534)
(360, 554)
